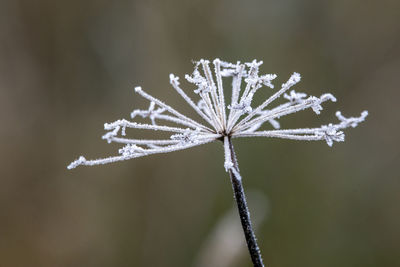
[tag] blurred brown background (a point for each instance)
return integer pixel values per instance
(66, 67)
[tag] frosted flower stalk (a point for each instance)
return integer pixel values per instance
(222, 121)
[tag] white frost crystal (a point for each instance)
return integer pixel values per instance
(221, 121)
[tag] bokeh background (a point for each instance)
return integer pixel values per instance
(66, 67)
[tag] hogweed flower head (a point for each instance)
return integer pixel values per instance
(240, 118)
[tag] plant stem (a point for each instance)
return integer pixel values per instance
(244, 213)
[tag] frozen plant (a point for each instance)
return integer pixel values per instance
(223, 122)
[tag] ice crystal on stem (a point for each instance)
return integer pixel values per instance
(221, 121)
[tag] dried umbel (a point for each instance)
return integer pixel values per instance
(238, 119)
(223, 122)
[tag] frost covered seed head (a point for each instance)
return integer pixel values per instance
(220, 121)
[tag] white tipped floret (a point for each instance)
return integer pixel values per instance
(131, 149)
(295, 97)
(295, 78)
(316, 104)
(352, 121)
(326, 97)
(173, 79)
(267, 80)
(76, 163)
(330, 134)
(217, 61)
(254, 64)
(204, 61)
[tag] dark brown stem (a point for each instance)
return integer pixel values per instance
(244, 213)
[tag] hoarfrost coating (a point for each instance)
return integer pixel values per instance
(239, 118)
